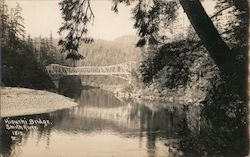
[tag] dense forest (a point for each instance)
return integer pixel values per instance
(20, 66)
(25, 58)
(207, 66)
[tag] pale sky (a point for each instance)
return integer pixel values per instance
(43, 16)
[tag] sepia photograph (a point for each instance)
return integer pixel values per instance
(124, 78)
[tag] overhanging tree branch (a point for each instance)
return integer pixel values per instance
(76, 15)
(220, 11)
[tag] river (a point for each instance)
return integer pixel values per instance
(105, 126)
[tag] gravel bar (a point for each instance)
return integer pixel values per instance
(24, 101)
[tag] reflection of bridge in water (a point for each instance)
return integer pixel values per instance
(119, 70)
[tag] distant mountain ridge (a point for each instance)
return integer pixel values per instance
(127, 39)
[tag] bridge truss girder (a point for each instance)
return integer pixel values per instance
(119, 70)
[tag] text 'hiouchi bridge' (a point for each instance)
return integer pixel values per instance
(118, 70)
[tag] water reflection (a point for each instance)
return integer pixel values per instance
(223, 129)
(103, 125)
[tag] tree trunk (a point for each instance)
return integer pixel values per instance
(207, 32)
(234, 72)
(223, 57)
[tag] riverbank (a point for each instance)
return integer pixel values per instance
(186, 96)
(24, 101)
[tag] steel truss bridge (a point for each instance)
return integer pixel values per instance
(119, 70)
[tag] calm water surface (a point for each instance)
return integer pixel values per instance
(104, 126)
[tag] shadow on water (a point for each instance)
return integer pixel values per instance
(223, 128)
(125, 129)
(70, 86)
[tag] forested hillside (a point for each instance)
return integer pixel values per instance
(100, 52)
(20, 67)
(103, 52)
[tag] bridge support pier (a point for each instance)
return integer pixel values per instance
(56, 83)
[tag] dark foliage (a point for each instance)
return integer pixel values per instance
(74, 56)
(176, 57)
(223, 127)
(76, 15)
(24, 71)
(19, 66)
(150, 18)
(238, 8)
